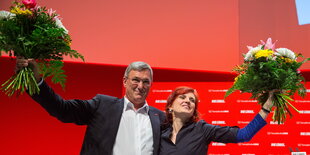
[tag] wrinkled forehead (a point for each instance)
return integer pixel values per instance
(142, 74)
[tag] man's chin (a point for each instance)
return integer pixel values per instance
(140, 99)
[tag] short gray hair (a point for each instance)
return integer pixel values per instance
(138, 66)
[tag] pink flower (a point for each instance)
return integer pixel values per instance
(269, 44)
(37, 7)
(51, 12)
(56, 17)
(29, 3)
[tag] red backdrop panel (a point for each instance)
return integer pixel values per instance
(28, 129)
(237, 110)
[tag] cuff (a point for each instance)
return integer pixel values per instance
(39, 83)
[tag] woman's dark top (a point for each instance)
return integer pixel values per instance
(194, 138)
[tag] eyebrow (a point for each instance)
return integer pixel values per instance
(192, 98)
(144, 79)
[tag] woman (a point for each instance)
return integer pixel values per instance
(183, 135)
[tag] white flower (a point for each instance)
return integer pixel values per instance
(60, 25)
(285, 53)
(6, 15)
(252, 51)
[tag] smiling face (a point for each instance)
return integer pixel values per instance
(184, 106)
(137, 85)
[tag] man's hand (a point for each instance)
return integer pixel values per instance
(21, 62)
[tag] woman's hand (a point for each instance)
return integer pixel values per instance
(269, 104)
(266, 108)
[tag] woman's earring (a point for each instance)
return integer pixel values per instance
(170, 110)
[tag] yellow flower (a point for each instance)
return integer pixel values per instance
(68, 43)
(263, 53)
(236, 78)
(18, 11)
(288, 60)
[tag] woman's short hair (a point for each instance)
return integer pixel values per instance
(180, 91)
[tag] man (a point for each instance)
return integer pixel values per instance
(114, 126)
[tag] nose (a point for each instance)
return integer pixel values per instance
(187, 100)
(140, 87)
(140, 84)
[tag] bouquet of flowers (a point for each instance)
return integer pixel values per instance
(34, 32)
(268, 69)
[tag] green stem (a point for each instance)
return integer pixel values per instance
(20, 82)
(292, 106)
(9, 86)
(6, 82)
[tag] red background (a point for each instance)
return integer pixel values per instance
(237, 110)
(185, 41)
(200, 34)
(26, 128)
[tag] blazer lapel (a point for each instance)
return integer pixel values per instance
(115, 114)
(119, 107)
(154, 117)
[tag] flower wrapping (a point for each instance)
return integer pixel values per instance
(266, 68)
(34, 32)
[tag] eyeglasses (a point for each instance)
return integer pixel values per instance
(138, 80)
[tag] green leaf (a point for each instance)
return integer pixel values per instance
(54, 69)
(38, 37)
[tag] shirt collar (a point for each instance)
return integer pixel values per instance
(128, 105)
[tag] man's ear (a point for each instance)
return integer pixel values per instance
(124, 81)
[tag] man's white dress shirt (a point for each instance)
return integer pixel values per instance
(134, 136)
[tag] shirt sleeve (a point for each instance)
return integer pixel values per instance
(246, 134)
(41, 81)
(68, 111)
(222, 134)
